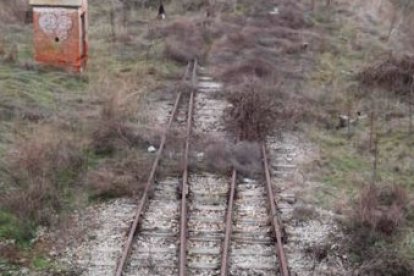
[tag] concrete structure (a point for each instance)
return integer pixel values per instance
(60, 33)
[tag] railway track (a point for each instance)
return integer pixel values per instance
(152, 240)
(201, 223)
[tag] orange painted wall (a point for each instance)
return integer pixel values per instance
(58, 37)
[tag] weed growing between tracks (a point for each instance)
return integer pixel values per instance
(319, 54)
(220, 155)
(258, 110)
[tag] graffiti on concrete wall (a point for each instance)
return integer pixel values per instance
(56, 23)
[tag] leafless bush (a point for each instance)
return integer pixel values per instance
(394, 74)
(112, 131)
(381, 209)
(14, 11)
(258, 109)
(378, 214)
(253, 112)
(41, 167)
(180, 51)
(387, 262)
(193, 5)
(305, 213)
(222, 155)
(184, 42)
(115, 178)
(246, 158)
(257, 67)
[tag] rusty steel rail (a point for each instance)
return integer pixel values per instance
(274, 219)
(184, 190)
(229, 226)
(127, 246)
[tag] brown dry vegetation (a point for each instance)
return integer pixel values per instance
(41, 168)
(381, 209)
(117, 178)
(242, 44)
(378, 215)
(258, 110)
(64, 138)
(291, 49)
(220, 155)
(184, 41)
(394, 73)
(14, 11)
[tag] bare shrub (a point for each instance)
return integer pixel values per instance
(246, 158)
(115, 178)
(381, 209)
(194, 5)
(180, 51)
(252, 114)
(372, 227)
(184, 42)
(258, 109)
(393, 73)
(257, 67)
(305, 213)
(14, 11)
(387, 262)
(222, 155)
(112, 131)
(217, 153)
(42, 168)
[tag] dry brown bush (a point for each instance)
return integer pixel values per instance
(257, 67)
(41, 168)
(259, 109)
(246, 158)
(372, 231)
(387, 262)
(185, 41)
(393, 73)
(381, 209)
(252, 113)
(180, 51)
(14, 11)
(222, 155)
(112, 131)
(115, 178)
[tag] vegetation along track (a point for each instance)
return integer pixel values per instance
(220, 226)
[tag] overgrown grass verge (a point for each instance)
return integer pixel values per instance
(68, 140)
(375, 148)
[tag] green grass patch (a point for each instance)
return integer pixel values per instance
(41, 263)
(12, 228)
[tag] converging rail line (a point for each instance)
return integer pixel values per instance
(204, 224)
(253, 242)
(121, 265)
